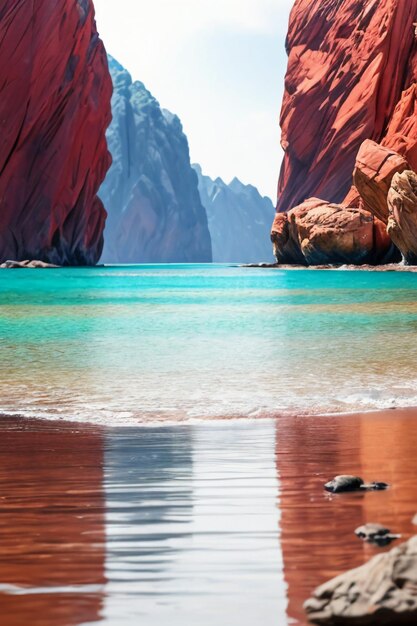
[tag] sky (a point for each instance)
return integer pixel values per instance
(219, 65)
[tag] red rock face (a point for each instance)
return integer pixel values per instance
(351, 76)
(55, 92)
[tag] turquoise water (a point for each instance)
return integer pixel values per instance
(123, 345)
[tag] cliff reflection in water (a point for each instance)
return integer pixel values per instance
(52, 524)
(148, 483)
(178, 525)
(316, 529)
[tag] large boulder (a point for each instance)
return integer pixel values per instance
(55, 92)
(383, 592)
(374, 170)
(351, 76)
(402, 221)
(318, 232)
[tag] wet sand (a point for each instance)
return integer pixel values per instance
(182, 525)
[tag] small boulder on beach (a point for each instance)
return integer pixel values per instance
(345, 483)
(376, 534)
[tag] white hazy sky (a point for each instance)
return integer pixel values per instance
(219, 65)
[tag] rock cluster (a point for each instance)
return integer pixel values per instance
(375, 224)
(383, 592)
(318, 232)
(27, 264)
(55, 92)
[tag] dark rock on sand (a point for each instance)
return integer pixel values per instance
(377, 534)
(345, 483)
(12, 265)
(383, 592)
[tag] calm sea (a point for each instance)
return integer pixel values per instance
(198, 518)
(136, 344)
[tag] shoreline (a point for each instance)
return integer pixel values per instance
(26, 421)
(391, 267)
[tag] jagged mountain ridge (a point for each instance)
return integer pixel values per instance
(239, 220)
(151, 194)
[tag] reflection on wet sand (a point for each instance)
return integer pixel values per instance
(316, 529)
(177, 526)
(149, 507)
(52, 524)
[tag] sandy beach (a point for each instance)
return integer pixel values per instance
(73, 547)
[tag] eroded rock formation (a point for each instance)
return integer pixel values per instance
(374, 170)
(402, 220)
(151, 191)
(351, 76)
(383, 592)
(55, 93)
(387, 188)
(318, 233)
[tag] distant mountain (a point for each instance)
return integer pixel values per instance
(239, 220)
(155, 214)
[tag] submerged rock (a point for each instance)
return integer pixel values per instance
(377, 534)
(383, 592)
(346, 482)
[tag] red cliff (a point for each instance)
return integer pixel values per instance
(351, 76)
(55, 92)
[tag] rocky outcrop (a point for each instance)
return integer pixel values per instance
(27, 264)
(402, 220)
(317, 233)
(239, 220)
(151, 191)
(374, 170)
(386, 187)
(55, 93)
(383, 592)
(351, 76)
